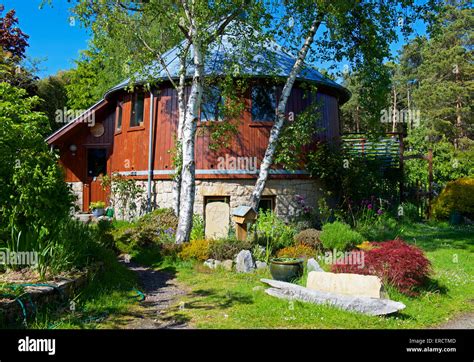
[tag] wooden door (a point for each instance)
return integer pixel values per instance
(96, 168)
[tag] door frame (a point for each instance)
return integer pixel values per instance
(86, 189)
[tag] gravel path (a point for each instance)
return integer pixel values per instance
(465, 321)
(161, 292)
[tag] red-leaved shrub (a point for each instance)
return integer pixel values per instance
(395, 262)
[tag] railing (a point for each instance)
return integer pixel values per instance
(388, 150)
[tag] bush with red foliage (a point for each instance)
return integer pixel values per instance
(397, 263)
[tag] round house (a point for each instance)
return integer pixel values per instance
(131, 134)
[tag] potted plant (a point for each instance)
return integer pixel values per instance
(98, 208)
(286, 269)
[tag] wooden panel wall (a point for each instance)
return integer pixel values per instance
(129, 149)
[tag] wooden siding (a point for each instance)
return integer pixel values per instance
(128, 147)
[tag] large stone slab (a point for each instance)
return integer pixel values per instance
(217, 220)
(346, 284)
(366, 305)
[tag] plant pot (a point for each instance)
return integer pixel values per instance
(286, 269)
(98, 212)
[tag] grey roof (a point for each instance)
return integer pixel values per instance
(269, 60)
(241, 211)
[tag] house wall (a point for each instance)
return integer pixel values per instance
(238, 191)
(130, 150)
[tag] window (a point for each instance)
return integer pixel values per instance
(264, 103)
(96, 162)
(136, 118)
(209, 199)
(119, 115)
(212, 104)
(267, 203)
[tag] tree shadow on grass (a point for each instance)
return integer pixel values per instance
(431, 238)
(211, 299)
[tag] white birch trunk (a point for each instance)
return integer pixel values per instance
(188, 144)
(179, 133)
(277, 127)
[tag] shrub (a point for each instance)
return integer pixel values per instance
(297, 251)
(195, 249)
(457, 196)
(395, 262)
(338, 235)
(161, 218)
(273, 230)
(227, 248)
(157, 227)
(198, 231)
(309, 237)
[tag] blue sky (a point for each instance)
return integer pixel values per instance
(52, 38)
(57, 41)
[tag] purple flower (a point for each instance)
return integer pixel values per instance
(369, 206)
(379, 212)
(169, 231)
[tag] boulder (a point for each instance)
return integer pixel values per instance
(227, 264)
(346, 284)
(210, 263)
(312, 265)
(244, 262)
(260, 264)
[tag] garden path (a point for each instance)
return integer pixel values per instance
(161, 291)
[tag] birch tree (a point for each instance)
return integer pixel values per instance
(357, 32)
(157, 26)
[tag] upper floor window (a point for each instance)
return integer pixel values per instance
(136, 116)
(119, 115)
(212, 104)
(264, 103)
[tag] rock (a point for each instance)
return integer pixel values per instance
(210, 263)
(366, 305)
(244, 262)
(312, 265)
(217, 264)
(227, 264)
(260, 264)
(346, 284)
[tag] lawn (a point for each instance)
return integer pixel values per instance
(222, 299)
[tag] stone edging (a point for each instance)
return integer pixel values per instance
(60, 291)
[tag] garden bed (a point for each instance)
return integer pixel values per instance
(28, 293)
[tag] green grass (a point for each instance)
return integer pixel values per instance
(110, 293)
(221, 299)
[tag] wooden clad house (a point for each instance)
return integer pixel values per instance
(126, 126)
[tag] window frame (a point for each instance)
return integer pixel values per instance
(221, 101)
(133, 101)
(272, 200)
(252, 103)
(119, 117)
